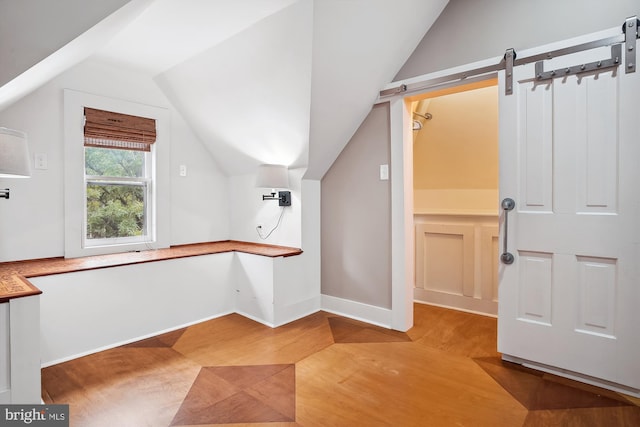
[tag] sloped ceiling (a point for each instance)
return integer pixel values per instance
(40, 39)
(293, 88)
(270, 81)
(248, 97)
(30, 30)
(172, 31)
(357, 47)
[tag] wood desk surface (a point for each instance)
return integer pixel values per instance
(14, 275)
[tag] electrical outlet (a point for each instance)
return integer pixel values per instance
(183, 170)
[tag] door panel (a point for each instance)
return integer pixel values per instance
(597, 149)
(535, 142)
(568, 155)
(535, 285)
(597, 286)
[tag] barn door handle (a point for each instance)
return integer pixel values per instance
(507, 205)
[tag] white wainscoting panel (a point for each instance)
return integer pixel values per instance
(457, 261)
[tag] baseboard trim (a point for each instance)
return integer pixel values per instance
(356, 310)
(132, 340)
(289, 313)
(352, 309)
(480, 313)
(293, 312)
(456, 302)
(254, 318)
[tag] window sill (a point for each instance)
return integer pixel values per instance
(14, 275)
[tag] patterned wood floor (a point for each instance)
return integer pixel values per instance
(325, 370)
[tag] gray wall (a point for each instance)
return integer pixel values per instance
(356, 217)
(473, 30)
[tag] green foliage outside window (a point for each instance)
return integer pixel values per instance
(115, 163)
(115, 207)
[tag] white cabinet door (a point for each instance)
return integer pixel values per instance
(569, 153)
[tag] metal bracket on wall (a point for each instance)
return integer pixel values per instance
(604, 64)
(630, 30)
(509, 57)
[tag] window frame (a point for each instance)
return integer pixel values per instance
(157, 172)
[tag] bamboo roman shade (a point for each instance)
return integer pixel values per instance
(106, 129)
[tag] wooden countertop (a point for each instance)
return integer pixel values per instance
(14, 275)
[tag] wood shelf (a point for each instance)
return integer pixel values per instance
(14, 275)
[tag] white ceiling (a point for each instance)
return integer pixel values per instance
(248, 98)
(267, 81)
(172, 31)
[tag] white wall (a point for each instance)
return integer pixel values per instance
(86, 311)
(249, 210)
(276, 291)
(32, 223)
(297, 291)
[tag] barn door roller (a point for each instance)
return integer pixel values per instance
(630, 30)
(509, 58)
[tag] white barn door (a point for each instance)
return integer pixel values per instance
(570, 159)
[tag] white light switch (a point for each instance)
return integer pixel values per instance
(41, 161)
(384, 172)
(183, 170)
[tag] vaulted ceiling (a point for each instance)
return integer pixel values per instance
(259, 81)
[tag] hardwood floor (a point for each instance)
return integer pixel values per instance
(325, 370)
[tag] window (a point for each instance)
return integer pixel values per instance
(117, 191)
(118, 160)
(116, 175)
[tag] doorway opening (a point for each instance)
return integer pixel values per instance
(455, 193)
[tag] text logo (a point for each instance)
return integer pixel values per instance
(34, 415)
